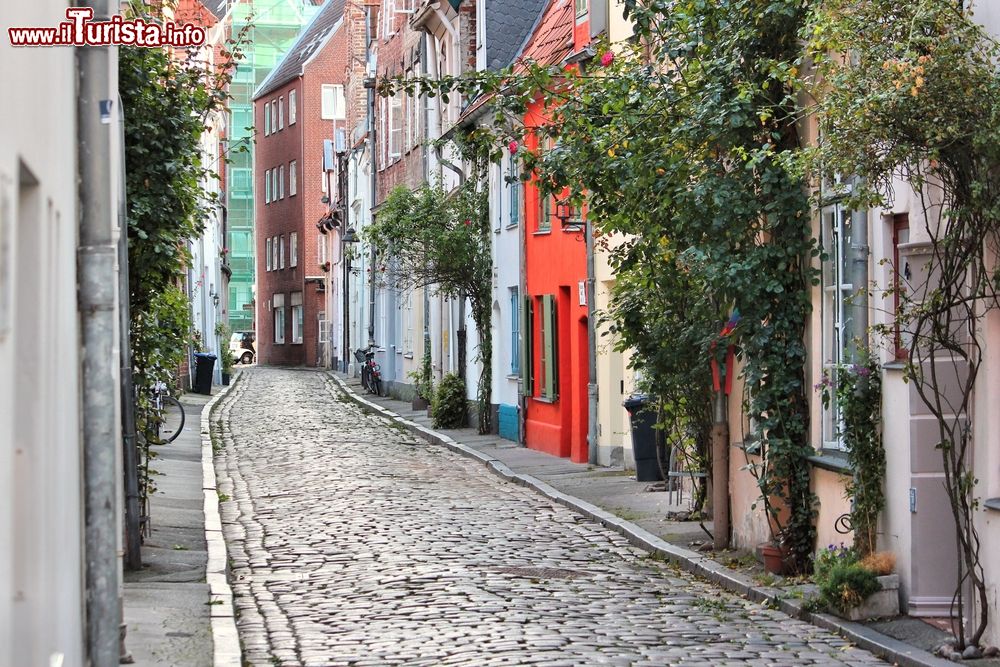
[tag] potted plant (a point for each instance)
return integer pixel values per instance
(226, 357)
(423, 383)
(854, 587)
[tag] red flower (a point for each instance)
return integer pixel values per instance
(512, 146)
(607, 58)
(468, 222)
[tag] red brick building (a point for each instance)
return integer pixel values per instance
(297, 108)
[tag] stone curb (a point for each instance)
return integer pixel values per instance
(225, 638)
(883, 646)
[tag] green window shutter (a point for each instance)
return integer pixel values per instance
(554, 328)
(527, 356)
(548, 346)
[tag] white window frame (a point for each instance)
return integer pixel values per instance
(281, 113)
(838, 326)
(292, 181)
(267, 252)
(274, 116)
(396, 123)
(267, 119)
(281, 181)
(298, 320)
(274, 252)
(293, 249)
(320, 249)
(281, 251)
(267, 186)
(332, 103)
(278, 319)
(291, 107)
(274, 184)
(388, 19)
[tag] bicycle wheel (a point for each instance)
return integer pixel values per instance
(377, 385)
(365, 371)
(172, 419)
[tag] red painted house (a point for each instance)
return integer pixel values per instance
(297, 110)
(555, 315)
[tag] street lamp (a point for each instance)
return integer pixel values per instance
(566, 213)
(349, 236)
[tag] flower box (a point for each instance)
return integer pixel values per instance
(883, 604)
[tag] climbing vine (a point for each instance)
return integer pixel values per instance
(915, 102)
(167, 97)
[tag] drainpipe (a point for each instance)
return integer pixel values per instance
(592, 394)
(370, 85)
(133, 552)
(720, 471)
(859, 278)
(96, 258)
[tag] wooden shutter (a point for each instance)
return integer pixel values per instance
(527, 349)
(549, 345)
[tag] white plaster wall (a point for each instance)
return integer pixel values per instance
(506, 275)
(41, 525)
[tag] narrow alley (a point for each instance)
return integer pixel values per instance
(354, 543)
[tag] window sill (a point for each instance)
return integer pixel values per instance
(407, 355)
(832, 460)
(895, 365)
(542, 232)
(543, 399)
(992, 504)
(514, 376)
(296, 342)
(513, 225)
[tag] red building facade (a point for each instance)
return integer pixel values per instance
(555, 308)
(296, 109)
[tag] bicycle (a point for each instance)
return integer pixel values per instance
(371, 376)
(166, 422)
(169, 414)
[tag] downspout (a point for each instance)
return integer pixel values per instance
(370, 85)
(859, 278)
(96, 258)
(133, 540)
(592, 393)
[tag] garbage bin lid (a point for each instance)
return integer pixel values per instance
(205, 355)
(636, 402)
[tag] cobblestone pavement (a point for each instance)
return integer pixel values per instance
(353, 543)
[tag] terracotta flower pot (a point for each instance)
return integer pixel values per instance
(774, 558)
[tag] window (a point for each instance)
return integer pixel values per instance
(267, 119)
(281, 113)
(291, 107)
(292, 181)
(514, 175)
(388, 19)
(548, 329)
(274, 116)
(581, 8)
(281, 182)
(900, 280)
(297, 318)
(544, 209)
(293, 249)
(515, 334)
(332, 102)
(320, 249)
(278, 313)
(395, 125)
(267, 186)
(274, 185)
(281, 251)
(274, 252)
(838, 325)
(267, 253)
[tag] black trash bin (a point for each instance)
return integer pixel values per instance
(204, 367)
(643, 420)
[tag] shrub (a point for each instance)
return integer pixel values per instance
(449, 407)
(843, 581)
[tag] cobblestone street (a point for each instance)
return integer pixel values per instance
(354, 543)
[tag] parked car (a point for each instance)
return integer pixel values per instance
(241, 347)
